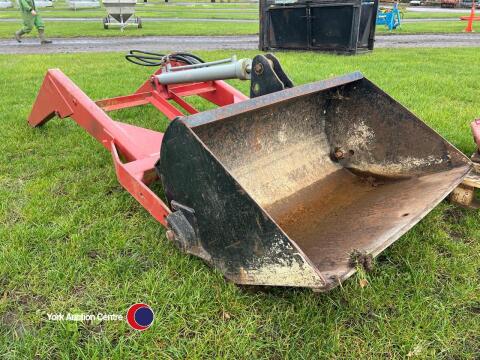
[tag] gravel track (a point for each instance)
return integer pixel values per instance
(190, 43)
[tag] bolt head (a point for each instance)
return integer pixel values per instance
(258, 69)
(339, 154)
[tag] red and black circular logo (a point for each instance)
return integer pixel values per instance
(140, 316)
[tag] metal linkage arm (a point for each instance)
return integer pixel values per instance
(139, 147)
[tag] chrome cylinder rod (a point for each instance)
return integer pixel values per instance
(239, 69)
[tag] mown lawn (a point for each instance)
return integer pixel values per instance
(72, 240)
(432, 27)
(72, 30)
(434, 15)
(200, 10)
(61, 8)
(194, 10)
(80, 29)
(144, 13)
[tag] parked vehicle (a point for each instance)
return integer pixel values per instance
(449, 3)
(391, 18)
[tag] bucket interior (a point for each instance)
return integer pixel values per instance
(340, 170)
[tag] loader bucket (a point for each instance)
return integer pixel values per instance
(286, 189)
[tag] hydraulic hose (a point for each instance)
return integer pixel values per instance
(146, 58)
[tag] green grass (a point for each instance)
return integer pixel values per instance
(72, 240)
(71, 30)
(435, 27)
(200, 10)
(162, 11)
(194, 11)
(428, 15)
(251, 15)
(154, 9)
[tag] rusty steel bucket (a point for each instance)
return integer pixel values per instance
(286, 188)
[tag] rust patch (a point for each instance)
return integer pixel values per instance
(342, 213)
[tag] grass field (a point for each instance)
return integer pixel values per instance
(227, 11)
(71, 30)
(153, 9)
(197, 10)
(435, 27)
(189, 13)
(433, 15)
(248, 15)
(72, 240)
(203, 9)
(240, 11)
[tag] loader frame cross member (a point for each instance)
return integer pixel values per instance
(135, 150)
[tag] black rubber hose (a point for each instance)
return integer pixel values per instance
(146, 58)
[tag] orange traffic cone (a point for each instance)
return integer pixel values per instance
(469, 27)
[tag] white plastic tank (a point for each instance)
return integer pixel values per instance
(83, 4)
(43, 3)
(5, 4)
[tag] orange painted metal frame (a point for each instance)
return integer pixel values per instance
(134, 150)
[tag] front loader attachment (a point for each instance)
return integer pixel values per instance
(293, 188)
(288, 188)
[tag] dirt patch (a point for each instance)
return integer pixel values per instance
(474, 309)
(453, 215)
(362, 259)
(456, 235)
(11, 320)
